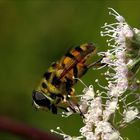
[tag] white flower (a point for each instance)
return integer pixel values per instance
(130, 114)
(112, 136)
(103, 127)
(86, 98)
(88, 93)
(65, 136)
(111, 106)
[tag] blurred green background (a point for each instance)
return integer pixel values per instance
(35, 33)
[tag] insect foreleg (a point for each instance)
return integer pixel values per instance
(96, 64)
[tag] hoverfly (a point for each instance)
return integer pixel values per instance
(55, 89)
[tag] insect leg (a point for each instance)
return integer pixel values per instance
(96, 64)
(75, 72)
(72, 107)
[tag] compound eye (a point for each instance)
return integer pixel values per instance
(40, 99)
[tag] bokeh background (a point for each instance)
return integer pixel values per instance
(33, 34)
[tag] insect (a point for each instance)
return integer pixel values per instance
(55, 89)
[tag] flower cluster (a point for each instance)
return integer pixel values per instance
(123, 62)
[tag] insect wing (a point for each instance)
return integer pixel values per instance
(75, 57)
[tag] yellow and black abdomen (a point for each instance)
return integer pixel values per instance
(74, 61)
